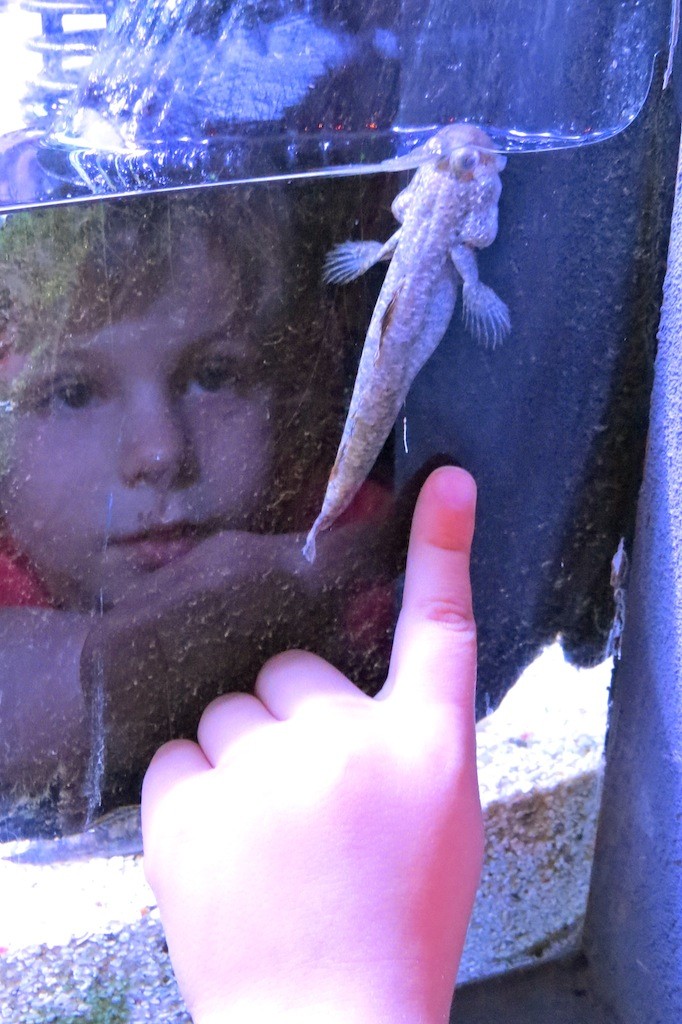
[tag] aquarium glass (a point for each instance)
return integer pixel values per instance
(173, 374)
(141, 95)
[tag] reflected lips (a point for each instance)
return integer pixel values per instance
(152, 549)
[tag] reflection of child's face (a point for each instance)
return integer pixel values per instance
(134, 442)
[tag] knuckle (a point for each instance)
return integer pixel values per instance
(280, 662)
(452, 616)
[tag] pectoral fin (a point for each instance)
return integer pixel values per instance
(351, 260)
(485, 314)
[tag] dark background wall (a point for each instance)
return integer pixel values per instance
(553, 422)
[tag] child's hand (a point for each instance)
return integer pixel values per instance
(315, 857)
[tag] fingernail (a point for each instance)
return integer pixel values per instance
(454, 487)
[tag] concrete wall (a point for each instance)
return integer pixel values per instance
(634, 930)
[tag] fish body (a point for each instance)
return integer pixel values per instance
(447, 212)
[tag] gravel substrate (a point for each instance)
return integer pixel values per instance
(540, 761)
(81, 941)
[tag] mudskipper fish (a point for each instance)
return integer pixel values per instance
(447, 212)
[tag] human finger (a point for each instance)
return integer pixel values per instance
(293, 678)
(225, 719)
(172, 765)
(434, 650)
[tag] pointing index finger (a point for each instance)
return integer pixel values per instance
(434, 651)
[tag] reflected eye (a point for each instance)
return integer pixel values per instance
(212, 376)
(73, 394)
(53, 395)
(465, 160)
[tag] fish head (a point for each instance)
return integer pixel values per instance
(458, 149)
(465, 151)
(471, 164)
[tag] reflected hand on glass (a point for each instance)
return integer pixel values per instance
(205, 623)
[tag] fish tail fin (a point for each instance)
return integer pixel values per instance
(349, 260)
(485, 314)
(309, 550)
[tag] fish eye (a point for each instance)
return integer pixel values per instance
(465, 160)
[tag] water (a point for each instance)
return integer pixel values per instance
(203, 93)
(208, 535)
(174, 372)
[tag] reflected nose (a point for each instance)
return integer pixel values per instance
(155, 445)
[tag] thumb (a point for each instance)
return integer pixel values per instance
(434, 651)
